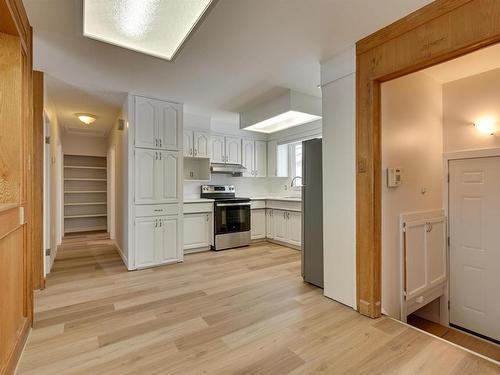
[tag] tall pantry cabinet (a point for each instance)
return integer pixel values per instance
(155, 179)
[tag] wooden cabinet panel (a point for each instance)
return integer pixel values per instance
(258, 224)
(218, 149)
(145, 123)
(167, 179)
(294, 231)
(169, 239)
(168, 125)
(280, 225)
(201, 144)
(188, 143)
(197, 231)
(233, 150)
(146, 241)
(270, 223)
(145, 175)
(248, 157)
(260, 163)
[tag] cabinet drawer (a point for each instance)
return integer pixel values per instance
(192, 208)
(258, 204)
(156, 210)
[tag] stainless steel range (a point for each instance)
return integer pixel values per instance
(231, 216)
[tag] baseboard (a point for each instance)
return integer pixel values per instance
(15, 355)
(122, 255)
(283, 244)
(197, 250)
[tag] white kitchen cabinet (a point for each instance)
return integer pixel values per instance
(158, 124)
(294, 228)
(218, 150)
(156, 240)
(156, 176)
(277, 159)
(260, 163)
(258, 224)
(196, 144)
(197, 230)
(233, 150)
(280, 226)
(270, 223)
(248, 157)
(187, 144)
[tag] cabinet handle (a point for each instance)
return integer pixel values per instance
(208, 218)
(158, 210)
(161, 222)
(156, 155)
(159, 153)
(190, 152)
(160, 142)
(195, 152)
(156, 142)
(156, 223)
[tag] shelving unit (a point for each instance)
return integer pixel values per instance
(85, 193)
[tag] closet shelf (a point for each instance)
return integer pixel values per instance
(85, 229)
(83, 191)
(80, 216)
(85, 179)
(85, 203)
(83, 167)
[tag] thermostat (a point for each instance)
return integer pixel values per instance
(393, 177)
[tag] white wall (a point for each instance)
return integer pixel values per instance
(412, 139)
(465, 101)
(82, 144)
(339, 178)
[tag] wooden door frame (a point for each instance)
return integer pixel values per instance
(440, 31)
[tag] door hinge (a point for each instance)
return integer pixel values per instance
(448, 177)
(47, 252)
(449, 241)
(448, 304)
(47, 140)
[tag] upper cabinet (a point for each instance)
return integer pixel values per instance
(158, 124)
(233, 150)
(196, 144)
(277, 159)
(218, 150)
(225, 149)
(254, 158)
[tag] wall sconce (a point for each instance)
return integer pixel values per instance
(485, 125)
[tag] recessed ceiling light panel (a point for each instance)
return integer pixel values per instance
(153, 27)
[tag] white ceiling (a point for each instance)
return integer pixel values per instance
(244, 50)
(481, 61)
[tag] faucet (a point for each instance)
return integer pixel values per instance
(293, 180)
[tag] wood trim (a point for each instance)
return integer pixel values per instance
(439, 32)
(14, 356)
(37, 168)
(10, 220)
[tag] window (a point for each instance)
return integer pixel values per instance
(295, 152)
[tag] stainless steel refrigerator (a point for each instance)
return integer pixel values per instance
(312, 212)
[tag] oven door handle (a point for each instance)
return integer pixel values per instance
(232, 204)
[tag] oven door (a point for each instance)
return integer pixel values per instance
(232, 217)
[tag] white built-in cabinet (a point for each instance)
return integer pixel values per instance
(277, 159)
(258, 224)
(197, 230)
(156, 142)
(160, 124)
(157, 176)
(156, 240)
(284, 226)
(225, 149)
(196, 144)
(254, 158)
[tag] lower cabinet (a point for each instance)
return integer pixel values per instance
(156, 240)
(284, 226)
(258, 224)
(197, 230)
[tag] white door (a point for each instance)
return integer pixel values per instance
(145, 175)
(474, 211)
(167, 180)
(233, 150)
(188, 143)
(196, 230)
(168, 125)
(145, 241)
(145, 123)
(294, 222)
(258, 224)
(280, 225)
(260, 164)
(201, 144)
(248, 157)
(169, 239)
(218, 149)
(270, 223)
(272, 158)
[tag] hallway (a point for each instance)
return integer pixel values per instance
(225, 312)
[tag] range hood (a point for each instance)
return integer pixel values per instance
(235, 170)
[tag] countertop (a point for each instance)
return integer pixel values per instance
(285, 199)
(198, 200)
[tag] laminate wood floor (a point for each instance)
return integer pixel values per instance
(242, 311)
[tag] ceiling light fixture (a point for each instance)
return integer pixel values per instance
(154, 27)
(485, 125)
(86, 118)
(282, 112)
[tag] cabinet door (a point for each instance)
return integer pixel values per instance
(145, 123)
(168, 245)
(272, 153)
(258, 224)
(188, 143)
(201, 144)
(145, 241)
(260, 164)
(248, 157)
(169, 125)
(167, 180)
(280, 225)
(233, 150)
(145, 175)
(270, 223)
(294, 230)
(218, 149)
(196, 230)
